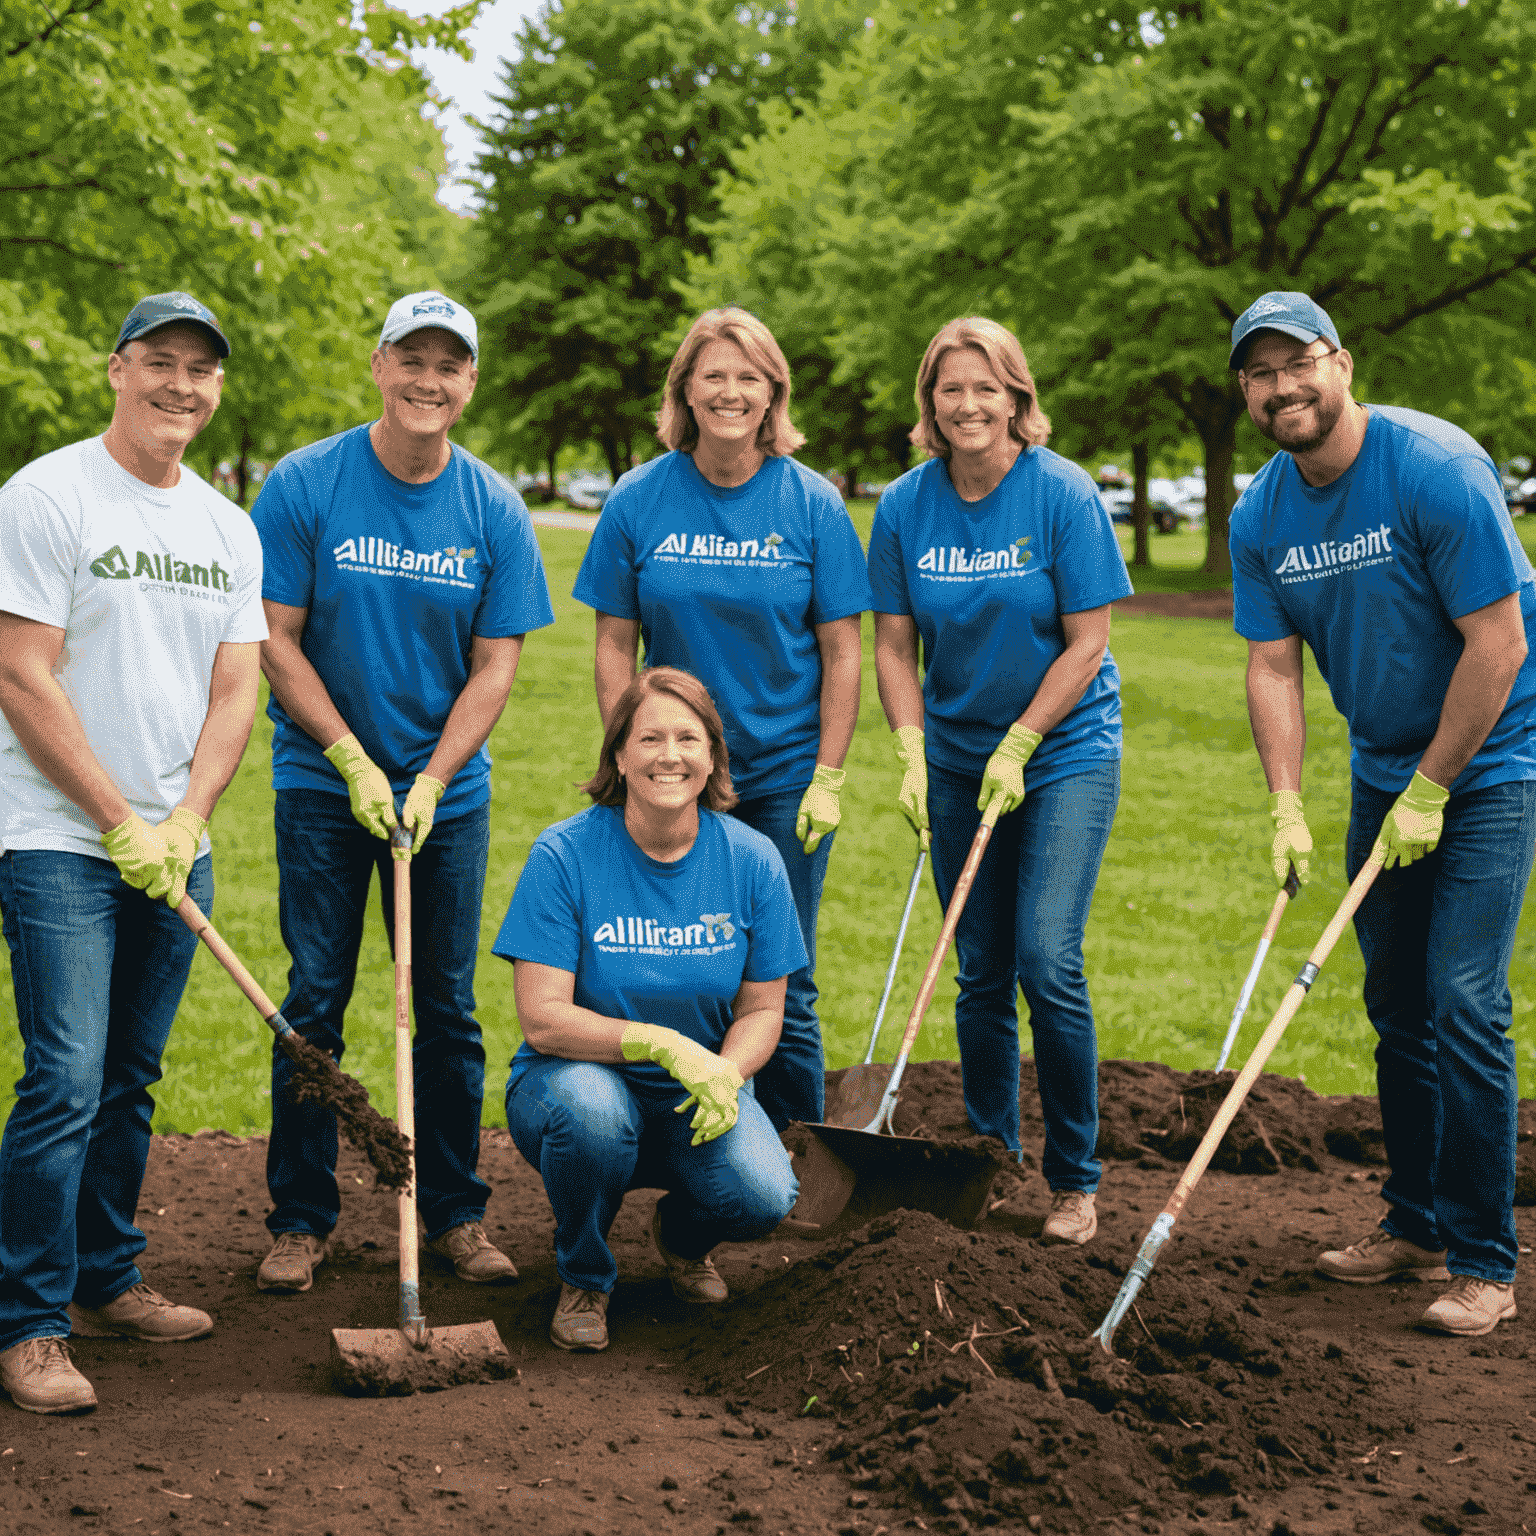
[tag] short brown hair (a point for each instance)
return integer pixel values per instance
(675, 425)
(607, 786)
(1028, 425)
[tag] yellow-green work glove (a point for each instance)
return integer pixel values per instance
(1414, 823)
(712, 1081)
(183, 832)
(1292, 843)
(1005, 769)
(139, 852)
(912, 798)
(417, 812)
(373, 801)
(819, 810)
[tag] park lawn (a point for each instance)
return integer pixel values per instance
(1183, 892)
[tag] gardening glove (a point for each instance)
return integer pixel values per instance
(1414, 823)
(140, 854)
(417, 812)
(1005, 769)
(912, 798)
(711, 1080)
(373, 801)
(183, 832)
(1293, 843)
(819, 810)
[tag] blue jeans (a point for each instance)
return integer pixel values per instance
(593, 1135)
(792, 1086)
(325, 863)
(98, 970)
(1023, 926)
(1437, 938)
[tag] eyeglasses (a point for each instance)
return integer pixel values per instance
(1301, 371)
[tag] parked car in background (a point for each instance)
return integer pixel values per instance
(587, 491)
(1519, 485)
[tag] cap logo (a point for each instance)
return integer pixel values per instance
(1266, 307)
(182, 303)
(432, 307)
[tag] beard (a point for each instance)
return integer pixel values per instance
(1293, 434)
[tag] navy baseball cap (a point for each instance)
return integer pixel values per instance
(1293, 314)
(162, 309)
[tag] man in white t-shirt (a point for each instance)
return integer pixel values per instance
(130, 627)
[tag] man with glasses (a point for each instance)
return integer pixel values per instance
(1379, 535)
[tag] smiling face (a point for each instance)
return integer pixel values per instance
(729, 395)
(426, 379)
(971, 405)
(167, 385)
(1297, 415)
(665, 760)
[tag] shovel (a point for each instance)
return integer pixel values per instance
(393, 1362)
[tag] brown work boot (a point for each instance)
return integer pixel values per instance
(1379, 1256)
(140, 1313)
(581, 1319)
(41, 1378)
(292, 1263)
(1471, 1307)
(473, 1255)
(1073, 1218)
(693, 1280)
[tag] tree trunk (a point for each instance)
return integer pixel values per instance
(1214, 414)
(243, 463)
(551, 453)
(1141, 511)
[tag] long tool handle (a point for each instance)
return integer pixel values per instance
(1293, 999)
(189, 912)
(901, 938)
(935, 963)
(1283, 900)
(412, 1324)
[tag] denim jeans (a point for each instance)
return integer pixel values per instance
(593, 1135)
(98, 970)
(325, 863)
(1437, 938)
(792, 1086)
(1023, 926)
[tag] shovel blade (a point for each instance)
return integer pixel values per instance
(380, 1362)
(853, 1101)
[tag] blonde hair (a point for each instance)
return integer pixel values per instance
(1005, 357)
(675, 424)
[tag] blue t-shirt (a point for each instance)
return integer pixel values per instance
(727, 584)
(656, 943)
(1371, 570)
(987, 583)
(397, 578)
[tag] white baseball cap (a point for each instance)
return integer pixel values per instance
(420, 311)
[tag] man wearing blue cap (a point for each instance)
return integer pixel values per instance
(130, 622)
(1380, 536)
(401, 577)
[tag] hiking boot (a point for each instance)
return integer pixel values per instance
(1471, 1307)
(292, 1263)
(140, 1313)
(41, 1378)
(1072, 1219)
(473, 1256)
(693, 1280)
(1379, 1256)
(581, 1319)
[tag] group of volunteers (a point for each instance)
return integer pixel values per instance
(664, 938)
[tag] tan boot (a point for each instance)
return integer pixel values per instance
(581, 1319)
(1471, 1307)
(473, 1255)
(1379, 1256)
(1073, 1218)
(41, 1378)
(693, 1280)
(292, 1263)
(140, 1313)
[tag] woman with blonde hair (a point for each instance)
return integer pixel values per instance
(736, 563)
(999, 554)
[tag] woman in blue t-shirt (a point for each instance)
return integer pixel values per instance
(739, 565)
(999, 556)
(652, 936)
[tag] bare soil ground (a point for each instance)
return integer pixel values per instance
(1213, 604)
(907, 1376)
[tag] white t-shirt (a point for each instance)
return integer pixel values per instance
(146, 585)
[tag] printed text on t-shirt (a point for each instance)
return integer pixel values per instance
(711, 932)
(952, 563)
(1331, 557)
(380, 557)
(716, 549)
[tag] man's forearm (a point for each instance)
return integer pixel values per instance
(220, 745)
(470, 722)
(298, 688)
(1276, 711)
(1478, 692)
(52, 736)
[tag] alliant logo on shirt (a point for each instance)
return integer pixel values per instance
(709, 933)
(953, 563)
(716, 549)
(161, 570)
(1332, 557)
(381, 557)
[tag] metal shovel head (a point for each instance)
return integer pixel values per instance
(380, 1362)
(848, 1177)
(853, 1100)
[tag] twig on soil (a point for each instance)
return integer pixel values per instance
(758, 1372)
(1002, 1306)
(1140, 1319)
(1301, 1459)
(970, 1344)
(1182, 1121)
(939, 1301)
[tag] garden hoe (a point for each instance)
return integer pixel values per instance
(393, 1362)
(1287, 894)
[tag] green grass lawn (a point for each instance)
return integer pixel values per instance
(1183, 893)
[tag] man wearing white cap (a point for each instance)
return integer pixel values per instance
(1380, 537)
(401, 577)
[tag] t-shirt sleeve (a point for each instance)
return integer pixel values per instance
(1088, 569)
(516, 596)
(608, 580)
(1257, 613)
(839, 572)
(38, 553)
(1469, 545)
(775, 948)
(543, 923)
(247, 619)
(285, 524)
(887, 572)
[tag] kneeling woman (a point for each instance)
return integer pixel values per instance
(652, 936)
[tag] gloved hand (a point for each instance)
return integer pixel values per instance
(819, 810)
(373, 801)
(183, 833)
(912, 798)
(1005, 769)
(1293, 843)
(417, 812)
(712, 1081)
(140, 853)
(1414, 823)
